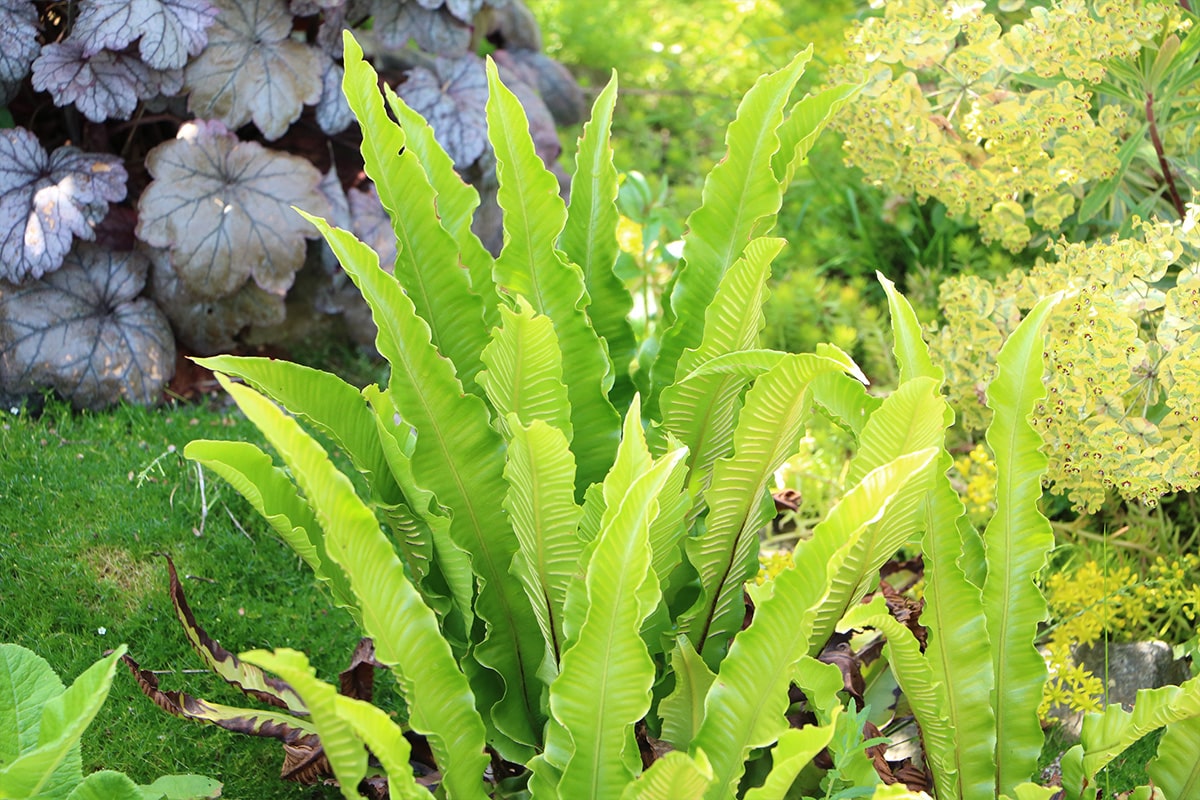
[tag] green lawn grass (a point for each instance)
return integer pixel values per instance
(88, 503)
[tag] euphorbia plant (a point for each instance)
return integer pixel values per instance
(559, 582)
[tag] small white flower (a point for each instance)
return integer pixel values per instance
(101, 631)
(14, 411)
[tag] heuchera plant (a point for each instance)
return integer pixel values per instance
(180, 132)
(557, 575)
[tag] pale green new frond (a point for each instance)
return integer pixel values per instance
(335, 407)
(460, 458)
(456, 201)
(912, 353)
(918, 681)
(740, 199)
(273, 495)
(745, 706)
(424, 534)
(794, 750)
(589, 238)
(675, 776)
(524, 374)
(1017, 541)
(386, 742)
(427, 259)
(683, 709)
(603, 688)
(725, 555)
(701, 412)
(845, 398)
(804, 124)
(1106, 735)
(107, 785)
(1175, 769)
(344, 750)
(405, 630)
(541, 502)
(854, 567)
(958, 649)
(531, 266)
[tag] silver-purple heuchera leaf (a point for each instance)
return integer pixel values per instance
(253, 70)
(333, 112)
(434, 30)
(105, 85)
(84, 332)
(18, 44)
(47, 200)
(453, 102)
(210, 326)
(168, 31)
(224, 209)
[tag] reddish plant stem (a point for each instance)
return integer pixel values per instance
(1176, 200)
(1185, 5)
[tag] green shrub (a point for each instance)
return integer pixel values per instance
(558, 590)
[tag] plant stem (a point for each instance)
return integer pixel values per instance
(1176, 200)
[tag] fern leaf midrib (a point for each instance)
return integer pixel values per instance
(516, 177)
(485, 552)
(711, 612)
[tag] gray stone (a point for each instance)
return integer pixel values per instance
(1125, 668)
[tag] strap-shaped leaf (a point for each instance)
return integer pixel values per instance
(957, 648)
(854, 568)
(589, 238)
(845, 398)
(804, 124)
(912, 353)
(603, 688)
(386, 742)
(909, 419)
(271, 492)
(1175, 769)
(529, 265)
(725, 556)
(456, 201)
(460, 458)
(64, 719)
(424, 540)
(745, 706)
(323, 399)
(926, 695)
(1106, 735)
(740, 198)
(794, 750)
(345, 752)
(541, 502)
(427, 261)
(675, 776)
(405, 630)
(701, 412)
(1016, 541)
(524, 374)
(683, 709)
